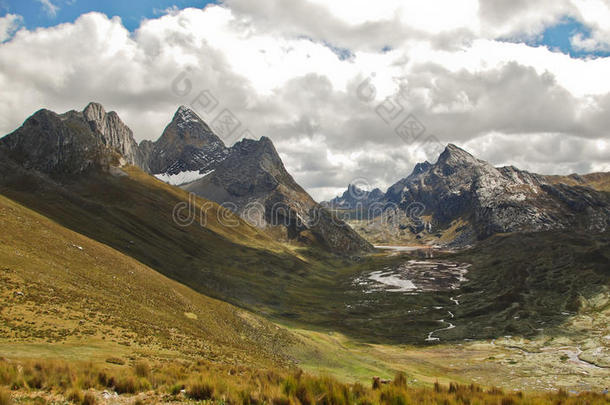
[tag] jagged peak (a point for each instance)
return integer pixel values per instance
(186, 114)
(263, 144)
(94, 111)
(455, 154)
(262, 149)
(41, 113)
(421, 168)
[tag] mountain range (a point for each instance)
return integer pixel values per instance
(456, 201)
(249, 178)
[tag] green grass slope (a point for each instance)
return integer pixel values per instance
(132, 212)
(66, 295)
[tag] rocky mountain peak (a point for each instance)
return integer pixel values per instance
(94, 112)
(455, 156)
(460, 188)
(186, 144)
(353, 189)
(355, 197)
(421, 168)
(258, 161)
(184, 117)
(262, 150)
(254, 180)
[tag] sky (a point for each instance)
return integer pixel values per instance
(350, 91)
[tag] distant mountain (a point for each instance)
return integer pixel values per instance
(461, 199)
(354, 197)
(72, 142)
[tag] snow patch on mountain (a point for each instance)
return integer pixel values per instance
(182, 177)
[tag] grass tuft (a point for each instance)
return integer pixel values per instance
(200, 391)
(5, 397)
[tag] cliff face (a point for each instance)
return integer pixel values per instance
(114, 134)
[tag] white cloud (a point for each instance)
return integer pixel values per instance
(279, 73)
(596, 15)
(49, 8)
(8, 25)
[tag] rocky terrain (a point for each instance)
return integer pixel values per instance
(253, 182)
(461, 199)
(248, 178)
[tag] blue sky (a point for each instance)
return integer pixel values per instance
(38, 13)
(558, 37)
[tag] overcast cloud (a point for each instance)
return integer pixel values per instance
(294, 73)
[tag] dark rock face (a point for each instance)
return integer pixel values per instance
(72, 142)
(469, 199)
(253, 182)
(187, 144)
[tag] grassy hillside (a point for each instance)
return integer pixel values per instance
(133, 214)
(65, 295)
(92, 292)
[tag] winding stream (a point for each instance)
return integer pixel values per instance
(431, 337)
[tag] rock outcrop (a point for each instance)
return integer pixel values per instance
(72, 142)
(115, 134)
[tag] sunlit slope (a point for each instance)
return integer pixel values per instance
(598, 181)
(61, 289)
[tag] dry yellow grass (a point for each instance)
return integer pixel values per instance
(204, 381)
(60, 289)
